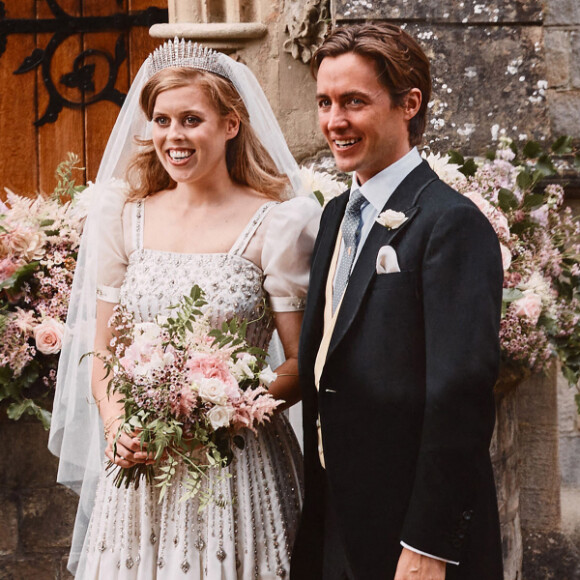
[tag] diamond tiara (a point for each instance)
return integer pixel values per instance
(179, 54)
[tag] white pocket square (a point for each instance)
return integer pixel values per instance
(387, 262)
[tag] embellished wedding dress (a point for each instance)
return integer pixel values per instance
(249, 533)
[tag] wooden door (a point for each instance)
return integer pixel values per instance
(66, 54)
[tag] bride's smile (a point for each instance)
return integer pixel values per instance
(190, 136)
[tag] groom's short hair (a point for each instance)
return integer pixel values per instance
(401, 63)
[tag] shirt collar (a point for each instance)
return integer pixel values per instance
(381, 186)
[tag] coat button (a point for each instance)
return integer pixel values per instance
(467, 514)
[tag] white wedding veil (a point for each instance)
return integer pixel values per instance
(76, 433)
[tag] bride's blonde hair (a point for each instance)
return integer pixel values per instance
(247, 160)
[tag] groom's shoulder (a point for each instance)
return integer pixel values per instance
(440, 196)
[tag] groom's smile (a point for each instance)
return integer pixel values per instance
(364, 130)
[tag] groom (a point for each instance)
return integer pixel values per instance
(399, 351)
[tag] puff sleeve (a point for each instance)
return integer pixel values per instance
(112, 249)
(288, 241)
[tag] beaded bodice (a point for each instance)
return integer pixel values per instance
(233, 285)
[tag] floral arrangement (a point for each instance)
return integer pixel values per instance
(188, 391)
(540, 244)
(39, 239)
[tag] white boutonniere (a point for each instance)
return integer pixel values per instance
(392, 219)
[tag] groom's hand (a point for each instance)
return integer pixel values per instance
(413, 566)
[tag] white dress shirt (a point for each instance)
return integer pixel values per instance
(377, 191)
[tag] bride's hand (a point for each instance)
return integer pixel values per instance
(129, 450)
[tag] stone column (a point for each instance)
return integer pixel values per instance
(538, 441)
(505, 459)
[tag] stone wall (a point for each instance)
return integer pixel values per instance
(562, 41)
(36, 514)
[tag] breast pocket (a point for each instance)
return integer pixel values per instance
(405, 280)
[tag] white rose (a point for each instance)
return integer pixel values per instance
(48, 336)
(212, 391)
(267, 376)
(147, 332)
(220, 416)
(243, 367)
(392, 219)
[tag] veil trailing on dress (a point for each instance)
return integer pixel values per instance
(76, 433)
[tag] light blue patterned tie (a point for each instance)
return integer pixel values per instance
(350, 236)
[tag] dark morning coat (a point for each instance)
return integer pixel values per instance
(412, 363)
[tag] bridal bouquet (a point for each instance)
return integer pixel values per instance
(39, 240)
(188, 391)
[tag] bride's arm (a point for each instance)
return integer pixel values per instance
(110, 407)
(286, 386)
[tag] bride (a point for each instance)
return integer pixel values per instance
(197, 198)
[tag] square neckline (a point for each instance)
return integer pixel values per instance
(237, 248)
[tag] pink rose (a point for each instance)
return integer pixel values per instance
(506, 257)
(500, 225)
(482, 203)
(48, 336)
(530, 307)
(207, 366)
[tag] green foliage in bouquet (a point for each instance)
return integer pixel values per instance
(189, 391)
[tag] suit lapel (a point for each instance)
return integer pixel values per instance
(404, 199)
(313, 315)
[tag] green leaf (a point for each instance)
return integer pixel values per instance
(469, 168)
(29, 407)
(577, 162)
(456, 157)
(490, 155)
(511, 294)
(545, 166)
(562, 145)
(533, 200)
(524, 180)
(319, 197)
(532, 150)
(507, 199)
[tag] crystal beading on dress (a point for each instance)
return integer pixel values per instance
(250, 536)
